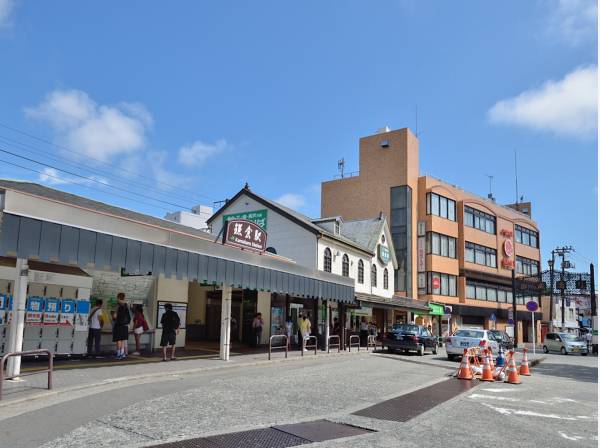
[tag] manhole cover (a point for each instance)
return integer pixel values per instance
(257, 438)
(321, 430)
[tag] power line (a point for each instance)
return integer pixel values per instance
(137, 201)
(91, 157)
(91, 179)
(92, 170)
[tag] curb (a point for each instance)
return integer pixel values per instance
(536, 361)
(125, 379)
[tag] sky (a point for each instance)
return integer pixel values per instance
(159, 106)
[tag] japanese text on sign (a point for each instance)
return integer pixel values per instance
(245, 234)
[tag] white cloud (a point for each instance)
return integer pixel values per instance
(196, 154)
(99, 131)
(564, 107)
(572, 21)
(6, 10)
(291, 200)
(52, 176)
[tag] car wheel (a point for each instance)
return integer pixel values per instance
(584, 354)
(545, 349)
(434, 350)
(450, 357)
(390, 350)
(421, 350)
(563, 351)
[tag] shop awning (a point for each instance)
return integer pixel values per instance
(48, 225)
(395, 302)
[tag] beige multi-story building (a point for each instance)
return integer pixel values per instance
(453, 248)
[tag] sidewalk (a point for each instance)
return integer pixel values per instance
(115, 375)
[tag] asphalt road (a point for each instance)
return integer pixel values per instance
(556, 407)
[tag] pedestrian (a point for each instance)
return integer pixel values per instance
(122, 318)
(170, 329)
(364, 330)
(336, 326)
(257, 328)
(588, 339)
(95, 324)
(140, 325)
(305, 327)
(289, 328)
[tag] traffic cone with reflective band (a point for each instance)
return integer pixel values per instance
(464, 371)
(524, 368)
(486, 374)
(491, 358)
(512, 375)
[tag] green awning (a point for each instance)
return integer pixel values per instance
(434, 310)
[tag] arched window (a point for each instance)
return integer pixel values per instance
(374, 276)
(327, 260)
(361, 272)
(385, 279)
(346, 266)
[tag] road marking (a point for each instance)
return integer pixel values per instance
(574, 437)
(499, 390)
(507, 411)
(493, 397)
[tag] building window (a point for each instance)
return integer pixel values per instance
(526, 236)
(441, 284)
(327, 260)
(485, 256)
(385, 279)
(441, 206)
(480, 220)
(527, 266)
(345, 266)
(487, 292)
(443, 245)
(337, 227)
(361, 272)
(374, 276)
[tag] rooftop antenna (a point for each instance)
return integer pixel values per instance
(516, 179)
(491, 194)
(341, 165)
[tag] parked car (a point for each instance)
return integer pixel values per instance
(503, 339)
(409, 337)
(564, 343)
(467, 338)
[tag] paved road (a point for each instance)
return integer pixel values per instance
(555, 407)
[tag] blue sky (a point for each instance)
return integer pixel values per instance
(185, 101)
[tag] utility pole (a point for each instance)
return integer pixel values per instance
(514, 306)
(551, 263)
(562, 251)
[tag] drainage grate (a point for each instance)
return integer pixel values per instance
(321, 430)
(275, 437)
(257, 438)
(405, 407)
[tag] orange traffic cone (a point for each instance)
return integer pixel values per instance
(487, 374)
(524, 368)
(491, 358)
(512, 375)
(464, 371)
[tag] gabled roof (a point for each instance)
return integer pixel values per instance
(365, 232)
(293, 216)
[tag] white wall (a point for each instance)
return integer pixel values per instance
(288, 238)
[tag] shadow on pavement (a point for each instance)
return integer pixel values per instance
(574, 372)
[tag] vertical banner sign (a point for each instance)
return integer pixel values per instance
(4, 300)
(34, 310)
(67, 313)
(51, 311)
(421, 254)
(81, 317)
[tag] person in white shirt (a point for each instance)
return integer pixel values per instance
(95, 324)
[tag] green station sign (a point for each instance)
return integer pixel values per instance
(258, 217)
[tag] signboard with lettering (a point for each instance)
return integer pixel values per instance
(35, 308)
(435, 283)
(67, 313)
(52, 310)
(383, 253)
(4, 306)
(258, 217)
(508, 248)
(421, 254)
(81, 318)
(245, 234)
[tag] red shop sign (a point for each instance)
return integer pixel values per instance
(245, 234)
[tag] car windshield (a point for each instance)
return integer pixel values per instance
(469, 334)
(569, 337)
(496, 335)
(405, 328)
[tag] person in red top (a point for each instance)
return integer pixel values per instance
(139, 327)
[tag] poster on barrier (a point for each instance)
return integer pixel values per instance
(51, 311)
(4, 308)
(67, 313)
(34, 310)
(81, 317)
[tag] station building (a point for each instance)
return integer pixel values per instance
(453, 248)
(59, 252)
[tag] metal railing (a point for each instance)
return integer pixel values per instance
(27, 353)
(276, 347)
(351, 344)
(306, 346)
(330, 344)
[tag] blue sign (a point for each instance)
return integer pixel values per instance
(510, 322)
(35, 304)
(83, 307)
(68, 306)
(4, 302)
(493, 317)
(532, 306)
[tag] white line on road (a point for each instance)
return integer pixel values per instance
(573, 437)
(499, 390)
(507, 411)
(493, 397)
